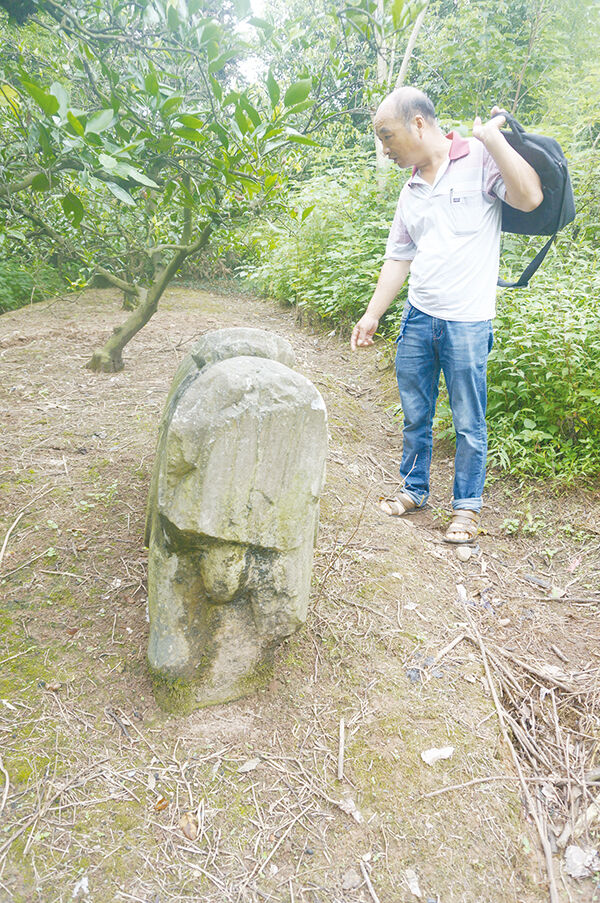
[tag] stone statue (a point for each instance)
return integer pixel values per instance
(232, 517)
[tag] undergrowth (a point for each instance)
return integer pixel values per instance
(21, 284)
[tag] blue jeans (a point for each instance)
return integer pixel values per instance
(425, 347)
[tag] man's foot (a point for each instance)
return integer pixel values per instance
(396, 507)
(463, 527)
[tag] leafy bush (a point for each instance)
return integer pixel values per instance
(326, 258)
(20, 286)
(544, 371)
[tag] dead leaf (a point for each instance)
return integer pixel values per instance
(413, 882)
(54, 686)
(161, 804)
(189, 825)
(433, 755)
(348, 806)
(250, 765)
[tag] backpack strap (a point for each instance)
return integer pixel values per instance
(530, 269)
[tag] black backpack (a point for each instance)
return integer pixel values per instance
(558, 207)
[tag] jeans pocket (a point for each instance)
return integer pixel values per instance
(405, 315)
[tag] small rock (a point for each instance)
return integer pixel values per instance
(463, 553)
(581, 863)
(351, 880)
(504, 622)
(414, 675)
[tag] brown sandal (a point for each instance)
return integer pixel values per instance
(399, 506)
(463, 521)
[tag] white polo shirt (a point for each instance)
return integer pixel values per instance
(451, 232)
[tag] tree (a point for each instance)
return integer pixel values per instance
(142, 143)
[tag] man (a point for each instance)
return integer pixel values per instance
(446, 232)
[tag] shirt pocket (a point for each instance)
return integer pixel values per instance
(466, 210)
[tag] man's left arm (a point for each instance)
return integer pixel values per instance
(522, 183)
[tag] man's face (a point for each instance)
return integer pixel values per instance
(400, 144)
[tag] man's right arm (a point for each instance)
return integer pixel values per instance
(391, 279)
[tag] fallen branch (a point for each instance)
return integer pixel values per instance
(533, 810)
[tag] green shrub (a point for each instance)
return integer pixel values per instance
(326, 258)
(544, 371)
(20, 285)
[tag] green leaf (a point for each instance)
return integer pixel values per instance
(47, 102)
(194, 6)
(75, 123)
(297, 92)
(41, 182)
(216, 87)
(57, 90)
(172, 18)
(133, 173)
(242, 122)
(44, 139)
(210, 32)
(194, 122)
(221, 133)
(300, 107)
(243, 8)
(529, 424)
(170, 104)
(220, 61)
(98, 122)
(299, 138)
(120, 193)
(73, 208)
(251, 112)
(8, 96)
(190, 134)
(263, 24)
(108, 163)
(151, 83)
(273, 89)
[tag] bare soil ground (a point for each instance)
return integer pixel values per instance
(105, 798)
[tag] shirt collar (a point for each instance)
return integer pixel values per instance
(459, 147)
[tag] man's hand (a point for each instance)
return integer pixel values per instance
(522, 183)
(363, 332)
(489, 130)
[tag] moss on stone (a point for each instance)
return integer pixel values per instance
(173, 694)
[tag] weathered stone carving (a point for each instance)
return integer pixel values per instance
(232, 516)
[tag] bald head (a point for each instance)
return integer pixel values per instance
(404, 104)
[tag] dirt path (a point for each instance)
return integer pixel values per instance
(96, 783)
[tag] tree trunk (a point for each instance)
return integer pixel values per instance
(109, 358)
(384, 77)
(381, 164)
(411, 46)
